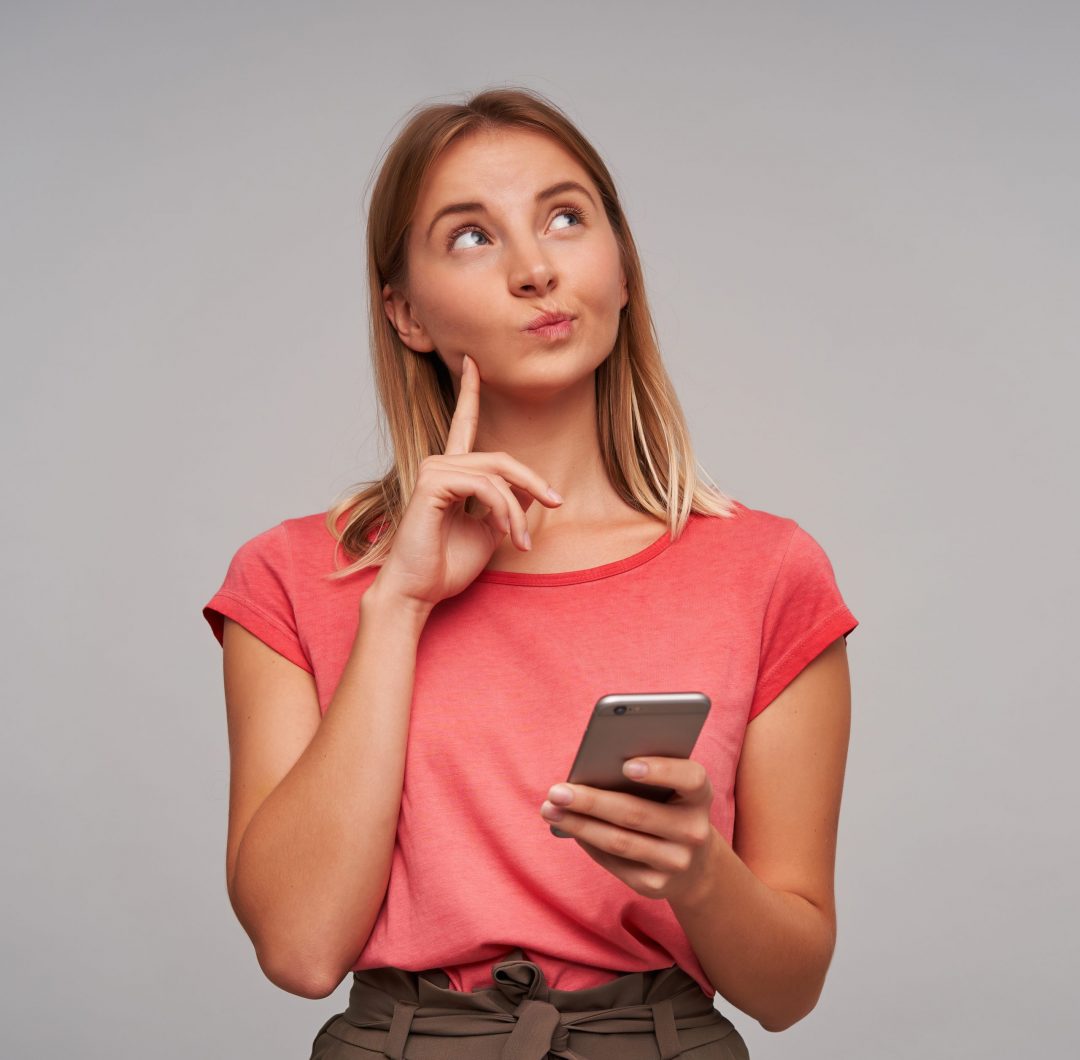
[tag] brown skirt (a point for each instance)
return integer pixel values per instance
(402, 1015)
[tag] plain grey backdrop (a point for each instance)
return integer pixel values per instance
(859, 224)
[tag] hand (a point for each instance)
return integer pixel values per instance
(440, 547)
(659, 849)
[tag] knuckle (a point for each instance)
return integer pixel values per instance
(655, 882)
(635, 817)
(622, 844)
(683, 860)
(699, 835)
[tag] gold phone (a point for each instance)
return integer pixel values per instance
(626, 725)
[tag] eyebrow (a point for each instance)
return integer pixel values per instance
(478, 207)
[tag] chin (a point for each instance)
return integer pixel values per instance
(544, 377)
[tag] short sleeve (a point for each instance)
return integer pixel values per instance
(805, 614)
(256, 594)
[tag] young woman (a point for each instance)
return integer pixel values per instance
(399, 724)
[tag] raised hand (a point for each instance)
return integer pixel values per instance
(439, 548)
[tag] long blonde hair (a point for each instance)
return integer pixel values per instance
(643, 436)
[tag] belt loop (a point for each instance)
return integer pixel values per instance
(667, 1035)
(394, 1047)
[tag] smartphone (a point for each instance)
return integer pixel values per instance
(628, 724)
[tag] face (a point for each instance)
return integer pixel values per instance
(478, 276)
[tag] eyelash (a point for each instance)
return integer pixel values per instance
(577, 211)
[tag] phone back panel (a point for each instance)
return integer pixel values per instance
(628, 725)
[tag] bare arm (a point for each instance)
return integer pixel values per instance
(314, 804)
(310, 851)
(766, 930)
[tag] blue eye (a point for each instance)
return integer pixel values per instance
(574, 211)
(571, 211)
(463, 231)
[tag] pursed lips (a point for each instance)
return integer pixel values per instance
(549, 321)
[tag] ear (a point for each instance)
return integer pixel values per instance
(409, 329)
(625, 291)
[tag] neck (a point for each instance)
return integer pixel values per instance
(556, 436)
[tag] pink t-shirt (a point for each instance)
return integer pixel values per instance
(507, 674)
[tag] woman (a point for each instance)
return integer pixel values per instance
(398, 724)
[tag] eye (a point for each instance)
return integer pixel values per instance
(467, 230)
(572, 211)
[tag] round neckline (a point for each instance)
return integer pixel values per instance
(586, 574)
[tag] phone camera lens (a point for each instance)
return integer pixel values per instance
(620, 709)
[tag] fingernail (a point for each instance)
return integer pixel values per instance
(636, 769)
(553, 495)
(528, 540)
(561, 793)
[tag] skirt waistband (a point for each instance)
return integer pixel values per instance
(387, 1005)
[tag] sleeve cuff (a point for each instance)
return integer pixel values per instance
(837, 623)
(227, 605)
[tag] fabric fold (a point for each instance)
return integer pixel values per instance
(406, 1015)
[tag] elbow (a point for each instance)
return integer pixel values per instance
(306, 972)
(777, 1022)
(299, 975)
(803, 997)
(299, 972)
(775, 1027)
(287, 957)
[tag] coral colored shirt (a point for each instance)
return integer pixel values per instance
(507, 674)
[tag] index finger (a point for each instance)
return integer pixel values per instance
(686, 775)
(463, 423)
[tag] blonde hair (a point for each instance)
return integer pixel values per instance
(644, 440)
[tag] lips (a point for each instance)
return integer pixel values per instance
(544, 319)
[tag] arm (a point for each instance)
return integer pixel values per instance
(764, 929)
(314, 802)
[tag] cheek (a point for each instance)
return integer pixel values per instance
(602, 284)
(451, 303)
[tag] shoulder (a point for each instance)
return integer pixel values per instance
(291, 534)
(277, 548)
(258, 592)
(752, 534)
(312, 546)
(303, 531)
(780, 537)
(768, 561)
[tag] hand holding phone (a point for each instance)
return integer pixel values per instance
(636, 724)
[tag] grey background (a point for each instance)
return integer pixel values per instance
(859, 224)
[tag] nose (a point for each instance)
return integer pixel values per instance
(531, 271)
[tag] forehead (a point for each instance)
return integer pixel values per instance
(498, 166)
